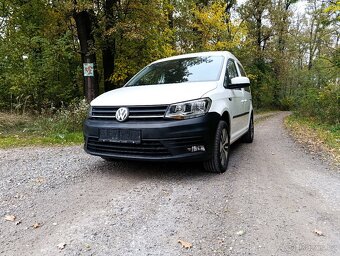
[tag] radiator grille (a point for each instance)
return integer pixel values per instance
(146, 148)
(135, 112)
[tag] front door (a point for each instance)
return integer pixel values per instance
(237, 102)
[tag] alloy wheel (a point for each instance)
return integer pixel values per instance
(224, 148)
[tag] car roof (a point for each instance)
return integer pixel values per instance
(225, 54)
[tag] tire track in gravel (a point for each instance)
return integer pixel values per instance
(273, 192)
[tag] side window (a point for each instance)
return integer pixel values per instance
(241, 70)
(243, 73)
(231, 68)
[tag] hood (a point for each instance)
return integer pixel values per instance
(154, 94)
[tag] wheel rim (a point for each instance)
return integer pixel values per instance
(224, 147)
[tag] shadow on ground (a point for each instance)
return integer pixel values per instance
(163, 171)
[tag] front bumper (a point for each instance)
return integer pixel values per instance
(166, 140)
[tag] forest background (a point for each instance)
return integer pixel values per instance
(291, 56)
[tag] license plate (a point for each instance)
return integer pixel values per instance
(120, 136)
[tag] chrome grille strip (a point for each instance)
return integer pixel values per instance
(135, 112)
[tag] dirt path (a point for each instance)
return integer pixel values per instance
(270, 202)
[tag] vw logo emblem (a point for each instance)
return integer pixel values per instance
(122, 114)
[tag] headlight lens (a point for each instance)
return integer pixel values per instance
(188, 109)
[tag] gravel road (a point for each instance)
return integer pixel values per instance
(275, 199)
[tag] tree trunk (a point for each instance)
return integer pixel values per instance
(229, 5)
(109, 48)
(88, 55)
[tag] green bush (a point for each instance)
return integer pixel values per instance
(322, 104)
(64, 120)
(287, 103)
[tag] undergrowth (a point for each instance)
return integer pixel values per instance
(51, 127)
(318, 137)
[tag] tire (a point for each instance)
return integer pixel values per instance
(218, 163)
(249, 136)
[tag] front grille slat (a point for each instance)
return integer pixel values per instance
(107, 111)
(135, 112)
(149, 110)
(146, 148)
(120, 147)
(128, 152)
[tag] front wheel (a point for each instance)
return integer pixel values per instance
(218, 163)
(249, 136)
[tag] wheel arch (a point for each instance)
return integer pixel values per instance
(251, 115)
(226, 117)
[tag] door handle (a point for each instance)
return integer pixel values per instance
(243, 101)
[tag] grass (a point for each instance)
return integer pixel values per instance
(316, 136)
(19, 140)
(260, 111)
(63, 127)
(25, 130)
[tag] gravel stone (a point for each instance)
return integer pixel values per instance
(134, 208)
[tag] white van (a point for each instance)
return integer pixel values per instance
(185, 108)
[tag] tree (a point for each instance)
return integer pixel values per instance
(215, 29)
(292, 60)
(279, 17)
(39, 69)
(109, 43)
(84, 19)
(256, 15)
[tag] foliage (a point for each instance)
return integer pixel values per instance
(41, 67)
(292, 60)
(141, 36)
(62, 120)
(322, 104)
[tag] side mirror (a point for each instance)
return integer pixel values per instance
(239, 82)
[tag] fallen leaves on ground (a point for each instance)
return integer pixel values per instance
(318, 232)
(10, 218)
(314, 140)
(185, 244)
(61, 246)
(40, 180)
(36, 225)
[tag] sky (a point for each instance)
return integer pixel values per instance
(298, 7)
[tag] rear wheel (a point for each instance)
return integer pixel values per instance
(218, 163)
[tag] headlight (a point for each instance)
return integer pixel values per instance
(188, 109)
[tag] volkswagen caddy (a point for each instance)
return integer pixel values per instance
(189, 107)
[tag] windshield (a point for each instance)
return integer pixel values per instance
(196, 69)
